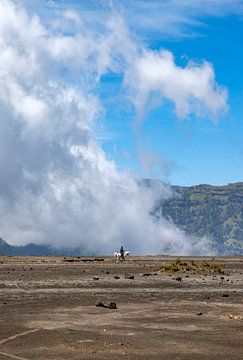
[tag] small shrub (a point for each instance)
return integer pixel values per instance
(177, 265)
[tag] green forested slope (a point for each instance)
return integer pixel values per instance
(214, 211)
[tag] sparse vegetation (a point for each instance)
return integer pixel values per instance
(183, 266)
(212, 211)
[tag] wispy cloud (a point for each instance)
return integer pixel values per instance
(175, 18)
(154, 18)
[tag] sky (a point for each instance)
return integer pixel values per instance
(183, 150)
(95, 95)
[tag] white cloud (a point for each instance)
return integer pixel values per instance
(56, 184)
(192, 89)
(175, 18)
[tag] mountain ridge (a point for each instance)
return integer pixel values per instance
(199, 210)
(208, 210)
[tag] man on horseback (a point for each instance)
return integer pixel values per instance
(122, 252)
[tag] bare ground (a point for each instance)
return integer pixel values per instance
(48, 309)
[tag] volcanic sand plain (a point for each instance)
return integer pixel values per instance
(48, 308)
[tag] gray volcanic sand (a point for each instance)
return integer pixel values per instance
(48, 309)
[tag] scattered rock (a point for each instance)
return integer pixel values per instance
(107, 272)
(116, 277)
(199, 313)
(128, 276)
(225, 295)
(100, 304)
(112, 306)
(96, 278)
(178, 278)
(147, 274)
(222, 277)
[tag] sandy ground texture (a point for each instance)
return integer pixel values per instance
(48, 309)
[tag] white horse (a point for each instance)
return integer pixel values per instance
(118, 256)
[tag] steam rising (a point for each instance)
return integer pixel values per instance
(56, 184)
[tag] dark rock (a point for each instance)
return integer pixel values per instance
(199, 313)
(107, 272)
(96, 278)
(147, 274)
(100, 304)
(128, 276)
(87, 260)
(116, 277)
(178, 278)
(225, 295)
(112, 306)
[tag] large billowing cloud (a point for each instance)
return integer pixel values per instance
(56, 184)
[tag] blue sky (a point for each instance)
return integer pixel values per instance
(181, 151)
(191, 150)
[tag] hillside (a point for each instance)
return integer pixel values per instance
(205, 210)
(37, 250)
(202, 210)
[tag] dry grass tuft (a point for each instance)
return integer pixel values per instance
(181, 266)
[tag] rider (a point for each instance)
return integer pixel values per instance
(122, 252)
